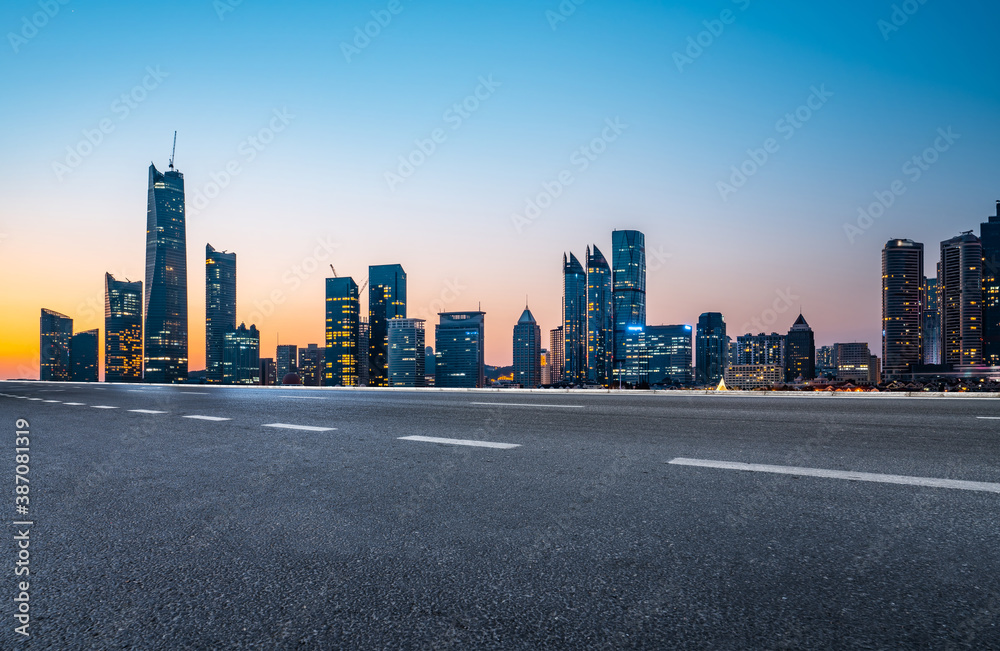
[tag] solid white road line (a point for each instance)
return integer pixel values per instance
(304, 428)
(195, 393)
(518, 404)
(146, 411)
(305, 397)
(103, 407)
(76, 404)
(475, 444)
(51, 400)
(985, 487)
(215, 418)
(988, 417)
(34, 398)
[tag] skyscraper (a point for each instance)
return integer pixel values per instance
(669, 354)
(122, 330)
(826, 362)
(55, 330)
(386, 300)
(800, 351)
(574, 320)
(960, 285)
(286, 360)
(459, 341)
(312, 361)
(711, 348)
(600, 319)
(902, 307)
(629, 278)
(268, 371)
(931, 335)
(760, 349)
(364, 332)
(220, 307)
(989, 235)
(84, 356)
(406, 352)
(165, 305)
(558, 355)
(527, 351)
(343, 305)
(241, 356)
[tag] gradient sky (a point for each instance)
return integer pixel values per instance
(322, 179)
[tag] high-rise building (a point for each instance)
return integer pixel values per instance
(268, 371)
(855, 363)
(760, 349)
(989, 235)
(600, 319)
(364, 332)
(546, 367)
(241, 356)
(406, 352)
(711, 348)
(558, 358)
(286, 360)
(628, 265)
(574, 321)
(429, 365)
(343, 316)
(633, 365)
(165, 306)
(122, 330)
(826, 362)
(669, 354)
(527, 351)
(459, 344)
(386, 300)
(312, 360)
(55, 331)
(960, 284)
(931, 334)
(220, 307)
(84, 356)
(800, 351)
(902, 307)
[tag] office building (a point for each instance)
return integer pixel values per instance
(546, 367)
(633, 365)
(220, 307)
(429, 363)
(459, 344)
(84, 356)
(122, 330)
(527, 351)
(557, 355)
(960, 284)
(406, 352)
(600, 319)
(165, 305)
(628, 263)
(931, 332)
(574, 321)
(800, 352)
(711, 349)
(363, 337)
(268, 371)
(55, 330)
(748, 377)
(386, 300)
(989, 236)
(312, 360)
(902, 307)
(669, 354)
(286, 360)
(760, 349)
(343, 318)
(855, 363)
(826, 362)
(241, 356)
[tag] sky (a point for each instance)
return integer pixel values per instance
(766, 150)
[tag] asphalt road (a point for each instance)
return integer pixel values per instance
(158, 530)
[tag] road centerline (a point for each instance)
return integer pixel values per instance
(526, 404)
(304, 428)
(475, 444)
(211, 418)
(146, 411)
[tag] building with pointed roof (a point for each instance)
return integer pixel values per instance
(527, 351)
(800, 351)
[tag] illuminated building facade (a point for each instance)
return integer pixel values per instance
(760, 349)
(165, 304)
(556, 355)
(122, 330)
(406, 352)
(600, 319)
(527, 351)
(826, 362)
(386, 300)
(286, 360)
(363, 336)
(343, 318)
(241, 356)
(902, 307)
(754, 376)
(931, 333)
(84, 356)
(711, 348)
(628, 265)
(800, 352)
(855, 363)
(56, 330)
(989, 235)
(960, 283)
(268, 371)
(220, 307)
(574, 321)
(312, 360)
(669, 354)
(459, 344)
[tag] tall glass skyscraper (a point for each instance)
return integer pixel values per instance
(960, 283)
(931, 334)
(220, 307)
(122, 330)
(343, 315)
(989, 235)
(557, 355)
(574, 320)
(407, 361)
(902, 307)
(600, 319)
(286, 361)
(83, 356)
(629, 270)
(386, 300)
(800, 351)
(669, 354)
(241, 356)
(459, 342)
(527, 351)
(55, 330)
(711, 348)
(165, 306)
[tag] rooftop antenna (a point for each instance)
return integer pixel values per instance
(334, 272)
(172, 153)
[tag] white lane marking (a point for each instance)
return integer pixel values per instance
(137, 390)
(103, 407)
(304, 428)
(34, 398)
(518, 404)
(51, 400)
(215, 418)
(195, 393)
(75, 404)
(932, 482)
(475, 444)
(305, 397)
(146, 411)
(988, 417)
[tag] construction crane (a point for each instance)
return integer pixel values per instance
(334, 272)
(174, 151)
(363, 285)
